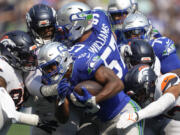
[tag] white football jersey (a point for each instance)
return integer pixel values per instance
(14, 79)
(162, 84)
(157, 66)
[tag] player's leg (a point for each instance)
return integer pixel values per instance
(109, 127)
(72, 125)
(138, 128)
(45, 110)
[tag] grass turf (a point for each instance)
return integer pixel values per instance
(17, 129)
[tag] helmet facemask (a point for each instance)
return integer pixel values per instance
(119, 10)
(140, 84)
(80, 23)
(18, 56)
(41, 21)
(54, 61)
(137, 26)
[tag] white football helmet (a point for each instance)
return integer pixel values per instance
(119, 9)
(76, 22)
(137, 24)
(54, 54)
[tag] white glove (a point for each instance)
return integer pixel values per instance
(127, 119)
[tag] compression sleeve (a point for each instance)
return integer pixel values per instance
(157, 107)
(29, 119)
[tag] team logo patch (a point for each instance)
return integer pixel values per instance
(169, 48)
(92, 63)
(44, 23)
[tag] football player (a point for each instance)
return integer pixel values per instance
(17, 59)
(45, 107)
(55, 62)
(139, 51)
(119, 10)
(137, 26)
(162, 92)
(91, 31)
(41, 23)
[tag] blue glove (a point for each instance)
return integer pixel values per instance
(87, 99)
(64, 88)
(86, 95)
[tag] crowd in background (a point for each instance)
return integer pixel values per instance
(165, 15)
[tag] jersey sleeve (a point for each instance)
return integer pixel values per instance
(164, 82)
(7, 104)
(166, 52)
(33, 83)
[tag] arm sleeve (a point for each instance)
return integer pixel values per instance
(157, 107)
(29, 119)
(33, 83)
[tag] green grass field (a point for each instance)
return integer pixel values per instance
(17, 129)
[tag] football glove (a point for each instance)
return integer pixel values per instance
(47, 126)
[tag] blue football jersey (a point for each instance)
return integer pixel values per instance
(102, 43)
(165, 50)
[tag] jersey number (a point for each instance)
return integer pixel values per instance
(17, 96)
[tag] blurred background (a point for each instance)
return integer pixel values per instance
(164, 14)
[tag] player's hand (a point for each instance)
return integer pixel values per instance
(127, 119)
(64, 88)
(47, 126)
(88, 100)
(86, 96)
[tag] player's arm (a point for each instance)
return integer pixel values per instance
(34, 85)
(2, 82)
(112, 84)
(34, 120)
(170, 87)
(166, 51)
(176, 71)
(62, 111)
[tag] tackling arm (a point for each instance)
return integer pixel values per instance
(154, 109)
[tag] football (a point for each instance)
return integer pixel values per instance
(93, 87)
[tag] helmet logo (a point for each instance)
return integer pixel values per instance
(146, 59)
(44, 23)
(6, 41)
(143, 67)
(4, 37)
(33, 47)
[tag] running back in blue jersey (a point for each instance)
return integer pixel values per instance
(165, 50)
(102, 43)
